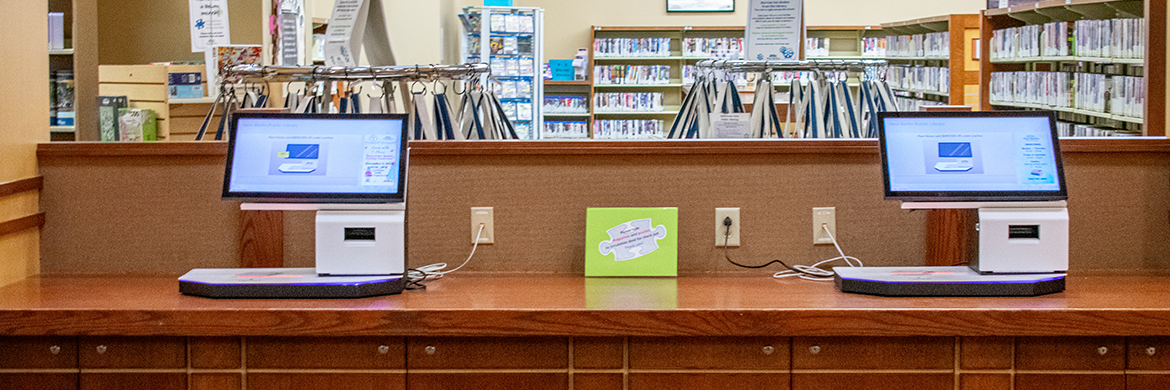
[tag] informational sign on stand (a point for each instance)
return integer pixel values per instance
(349, 25)
(734, 125)
(209, 24)
(774, 29)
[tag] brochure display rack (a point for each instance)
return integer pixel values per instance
(510, 40)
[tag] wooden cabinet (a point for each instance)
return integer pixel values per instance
(1070, 353)
(132, 362)
(487, 363)
(38, 352)
(881, 362)
(708, 363)
(326, 353)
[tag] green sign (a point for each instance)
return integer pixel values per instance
(631, 241)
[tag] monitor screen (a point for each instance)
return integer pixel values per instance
(316, 158)
(994, 156)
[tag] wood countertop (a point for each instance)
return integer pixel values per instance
(554, 305)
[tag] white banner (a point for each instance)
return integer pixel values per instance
(774, 29)
(343, 38)
(209, 24)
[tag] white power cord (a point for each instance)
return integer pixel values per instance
(814, 272)
(435, 271)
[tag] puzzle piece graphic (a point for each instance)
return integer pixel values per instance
(632, 240)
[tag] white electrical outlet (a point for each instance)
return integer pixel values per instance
(721, 230)
(482, 215)
(824, 216)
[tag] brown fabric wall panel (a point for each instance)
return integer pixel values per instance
(488, 381)
(884, 381)
(207, 381)
(1070, 353)
(214, 352)
(597, 381)
(985, 353)
(487, 353)
(985, 382)
(688, 381)
(25, 381)
(37, 352)
(540, 204)
(1070, 381)
(132, 352)
(739, 353)
(137, 215)
(326, 352)
(348, 381)
(1148, 353)
(863, 353)
(137, 380)
(598, 352)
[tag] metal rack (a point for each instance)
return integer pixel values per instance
(245, 73)
(770, 66)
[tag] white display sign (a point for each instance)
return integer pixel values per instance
(736, 125)
(209, 24)
(774, 29)
(343, 38)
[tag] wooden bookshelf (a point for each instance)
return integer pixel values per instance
(963, 31)
(1152, 65)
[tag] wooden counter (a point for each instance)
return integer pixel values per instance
(529, 305)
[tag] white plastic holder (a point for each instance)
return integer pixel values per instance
(1022, 240)
(361, 242)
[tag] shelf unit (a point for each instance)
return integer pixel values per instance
(497, 36)
(1151, 67)
(961, 63)
(61, 60)
(571, 88)
(845, 42)
(673, 91)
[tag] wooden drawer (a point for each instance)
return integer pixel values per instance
(1070, 381)
(487, 353)
(326, 352)
(132, 352)
(39, 381)
(883, 381)
(598, 352)
(677, 381)
(216, 381)
(740, 353)
(215, 352)
(38, 352)
(598, 381)
(347, 381)
(121, 381)
(1149, 353)
(1147, 381)
(985, 382)
(873, 353)
(985, 353)
(488, 381)
(1070, 353)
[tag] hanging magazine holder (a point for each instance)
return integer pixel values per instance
(478, 114)
(820, 108)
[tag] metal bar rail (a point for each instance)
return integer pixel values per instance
(323, 73)
(769, 66)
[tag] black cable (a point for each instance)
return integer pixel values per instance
(727, 237)
(414, 279)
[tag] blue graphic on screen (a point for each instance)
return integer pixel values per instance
(946, 154)
(303, 150)
(954, 149)
(317, 156)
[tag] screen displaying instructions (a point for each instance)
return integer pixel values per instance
(970, 154)
(316, 155)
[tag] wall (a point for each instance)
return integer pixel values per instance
(24, 105)
(163, 214)
(144, 31)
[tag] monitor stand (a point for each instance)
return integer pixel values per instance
(361, 252)
(1023, 251)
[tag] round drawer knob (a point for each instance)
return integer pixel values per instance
(56, 350)
(1150, 351)
(814, 349)
(768, 350)
(384, 349)
(1102, 350)
(430, 350)
(101, 349)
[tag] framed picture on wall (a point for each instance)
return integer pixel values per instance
(700, 5)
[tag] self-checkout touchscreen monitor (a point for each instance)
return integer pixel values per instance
(996, 156)
(316, 158)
